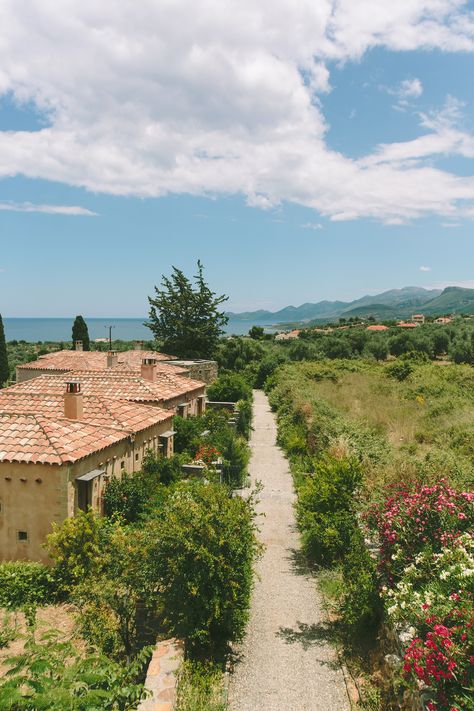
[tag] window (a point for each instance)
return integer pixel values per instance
(122, 464)
(137, 457)
(22, 535)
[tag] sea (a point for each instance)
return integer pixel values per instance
(34, 330)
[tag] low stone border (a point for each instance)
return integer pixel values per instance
(162, 677)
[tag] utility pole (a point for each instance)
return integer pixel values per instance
(110, 336)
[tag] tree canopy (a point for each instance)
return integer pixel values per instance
(80, 332)
(185, 316)
(4, 369)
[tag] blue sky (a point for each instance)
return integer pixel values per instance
(306, 163)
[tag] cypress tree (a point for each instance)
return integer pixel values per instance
(4, 369)
(80, 333)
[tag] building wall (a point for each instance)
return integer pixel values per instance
(204, 370)
(33, 496)
(191, 400)
(23, 374)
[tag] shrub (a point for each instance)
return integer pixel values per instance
(325, 508)
(441, 656)
(202, 553)
(244, 418)
(187, 436)
(400, 370)
(230, 387)
(200, 688)
(76, 547)
(361, 606)
(51, 674)
(131, 496)
(125, 497)
(26, 583)
(412, 517)
(236, 455)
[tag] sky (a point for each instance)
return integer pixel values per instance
(301, 149)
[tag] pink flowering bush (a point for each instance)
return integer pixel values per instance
(441, 656)
(413, 517)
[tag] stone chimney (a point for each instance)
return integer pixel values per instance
(78, 346)
(148, 369)
(138, 345)
(112, 359)
(73, 405)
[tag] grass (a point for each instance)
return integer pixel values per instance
(200, 688)
(420, 428)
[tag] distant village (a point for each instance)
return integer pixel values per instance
(416, 320)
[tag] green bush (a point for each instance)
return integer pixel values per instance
(325, 508)
(235, 453)
(132, 495)
(202, 553)
(361, 606)
(51, 674)
(200, 688)
(400, 370)
(244, 418)
(230, 387)
(26, 583)
(76, 546)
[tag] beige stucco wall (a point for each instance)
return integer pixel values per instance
(33, 496)
(191, 399)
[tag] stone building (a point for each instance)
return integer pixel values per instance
(57, 453)
(61, 362)
(151, 385)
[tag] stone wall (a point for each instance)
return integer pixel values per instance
(162, 676)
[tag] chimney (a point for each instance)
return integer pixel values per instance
(112, 359)
(138, 345)
(78, 346)
(73, 401)
(148, 369)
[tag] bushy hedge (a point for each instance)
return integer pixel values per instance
(202, 547)
(26, 583)
(325, 508)
(361, 605)
(230, 387)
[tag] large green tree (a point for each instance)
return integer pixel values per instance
(80, 332)
(185, 317)
(4, 369)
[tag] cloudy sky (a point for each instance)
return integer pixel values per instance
(303, 149)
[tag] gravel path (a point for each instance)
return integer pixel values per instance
(285, 662)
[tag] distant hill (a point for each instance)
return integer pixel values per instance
(395, 303)
(453, 299)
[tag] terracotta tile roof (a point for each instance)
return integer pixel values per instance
(121, 414)
(406, 324)
(125, 385)
(376, 327)
(38, 439)
(91, 360)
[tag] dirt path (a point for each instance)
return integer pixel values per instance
(286, 662)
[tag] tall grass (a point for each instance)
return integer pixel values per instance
(200, 688)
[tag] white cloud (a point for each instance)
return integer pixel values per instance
(410, 88)
(206, 99)
(49, 209)
(425, 269)
(312, 226)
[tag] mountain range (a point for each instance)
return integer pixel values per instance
(392, 304)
